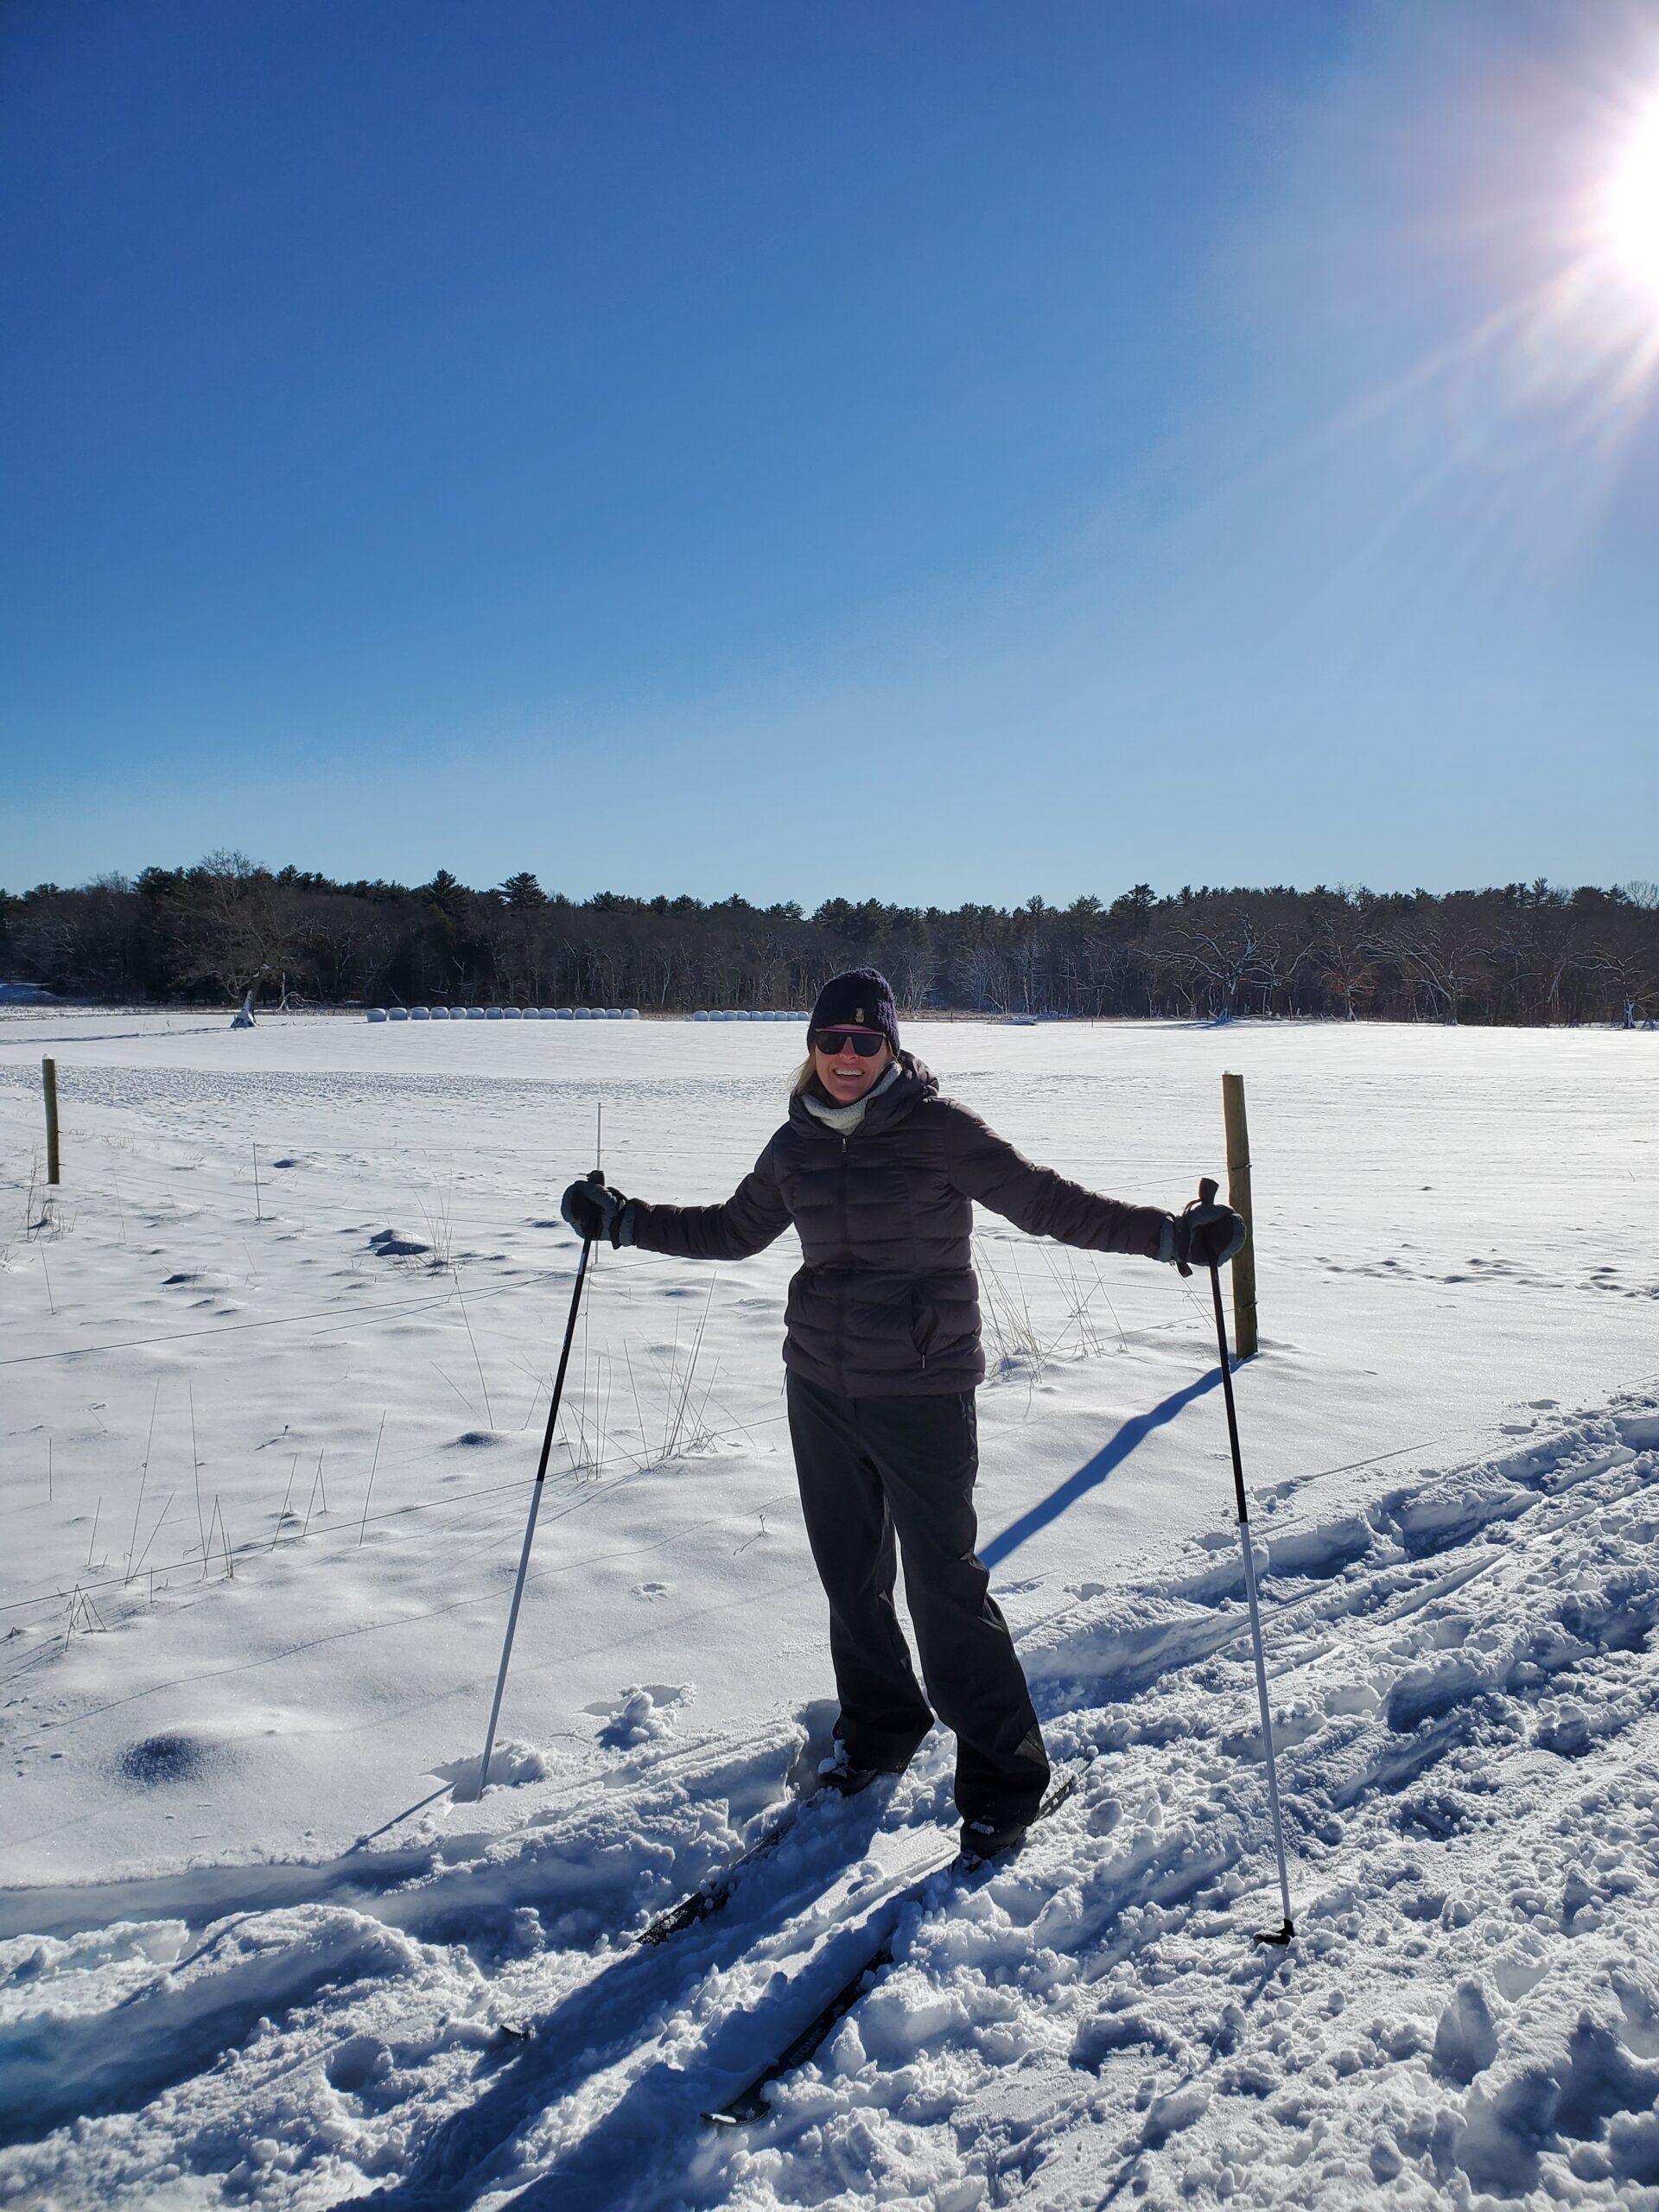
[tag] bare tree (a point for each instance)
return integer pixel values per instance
(1225, 955)
(1344, 950)
(233, 925)
(1626, 961)
(1439, 947)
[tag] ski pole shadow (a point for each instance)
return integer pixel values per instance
(1094, 1471)
(386, 1826)
(594, 2027)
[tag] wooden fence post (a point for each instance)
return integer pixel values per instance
(1238, 1197)
(49, 1084)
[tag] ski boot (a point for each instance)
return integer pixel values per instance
(846, 1776)
(996, 1836)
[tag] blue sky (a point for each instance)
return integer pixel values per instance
(911, 448)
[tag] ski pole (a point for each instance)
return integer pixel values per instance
(1282, 1934)
(536, 1502)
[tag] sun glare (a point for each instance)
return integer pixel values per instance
(1590, 334)
(1632, 207)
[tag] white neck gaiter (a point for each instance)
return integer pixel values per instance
(843, 1120)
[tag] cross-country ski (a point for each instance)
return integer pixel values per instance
(960, 1871)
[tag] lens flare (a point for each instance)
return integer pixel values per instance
(1584, 346)
(1632, 206)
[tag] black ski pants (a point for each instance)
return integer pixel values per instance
(872, 1470)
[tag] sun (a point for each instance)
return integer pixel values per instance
(1631, 209)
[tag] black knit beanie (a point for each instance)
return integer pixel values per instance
(861, 999)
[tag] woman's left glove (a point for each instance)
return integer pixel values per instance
(1203, 1236)
(593, 1210)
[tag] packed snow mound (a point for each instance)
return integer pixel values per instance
(510, 1764)
(396, 1244)
(643, 1714)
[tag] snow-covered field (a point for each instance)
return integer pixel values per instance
(266, 1459)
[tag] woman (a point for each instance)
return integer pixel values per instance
(878, 1172)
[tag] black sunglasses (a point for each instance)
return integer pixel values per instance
(867, 1043)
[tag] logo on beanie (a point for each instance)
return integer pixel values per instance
(858, 1015)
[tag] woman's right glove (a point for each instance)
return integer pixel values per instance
(1204, 1236)
(593, 1211)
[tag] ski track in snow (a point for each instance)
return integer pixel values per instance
(1467, 1713)
(451, 2010)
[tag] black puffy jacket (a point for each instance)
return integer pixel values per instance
(886, 1304)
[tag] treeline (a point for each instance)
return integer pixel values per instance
(1526, 953)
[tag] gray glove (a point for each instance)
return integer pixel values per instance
(1204, 1236)
(593, 1211)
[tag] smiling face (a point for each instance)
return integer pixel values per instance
(844, 1076)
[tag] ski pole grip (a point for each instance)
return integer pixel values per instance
(596, 1176)
(1207, 1188)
